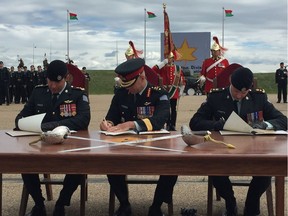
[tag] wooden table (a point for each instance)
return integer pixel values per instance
(254, 155)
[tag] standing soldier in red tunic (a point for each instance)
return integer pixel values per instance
(213, 66)
(172, 79)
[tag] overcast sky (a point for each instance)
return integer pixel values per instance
(256, 36)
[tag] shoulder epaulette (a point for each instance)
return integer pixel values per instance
(157, 88)
(41, 86)
(259, 90)
(78, 88)
(213, 90)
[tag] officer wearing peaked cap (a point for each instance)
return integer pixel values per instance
(255, 109)
(142, 107)
(64, 105)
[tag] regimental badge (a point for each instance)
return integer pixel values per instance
(68, 110)
(145, 112)
(254, 117)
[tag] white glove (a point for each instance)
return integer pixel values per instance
(202, 80)
(56, 136)
(162, 64)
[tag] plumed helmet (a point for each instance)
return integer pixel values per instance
(171, 55)
(216, 45)
(132, 51)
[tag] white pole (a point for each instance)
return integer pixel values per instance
(68, 58)
(223, 27)
(145, 33)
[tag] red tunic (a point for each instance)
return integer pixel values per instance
(168, 75)
(212, 72)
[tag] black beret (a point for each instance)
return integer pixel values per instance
(129, 70)
(242, 78)
(1, 62)
(56, 70)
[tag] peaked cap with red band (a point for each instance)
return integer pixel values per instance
(129, 71)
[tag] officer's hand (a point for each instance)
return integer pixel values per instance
(48, 126)
(259, 125)
(218, 125)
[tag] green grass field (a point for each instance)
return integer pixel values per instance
(102, 82)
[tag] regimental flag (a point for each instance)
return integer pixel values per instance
(169, 45)
(228, 13)
(73, 16)
(151, 15)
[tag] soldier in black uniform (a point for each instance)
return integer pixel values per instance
(281, 80)
(140, 106)
(71, 109)
(30, 83)
(254, 108)
(19, 86)
(4, 84)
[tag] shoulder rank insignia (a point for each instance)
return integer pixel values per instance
(259, 90)
(79, 88)
(40, 86)
(216, 90)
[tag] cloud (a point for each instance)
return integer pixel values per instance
(256, 35)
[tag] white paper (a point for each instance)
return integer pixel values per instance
(236, 123)
(31, 123)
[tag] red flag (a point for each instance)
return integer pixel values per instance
(169, 45)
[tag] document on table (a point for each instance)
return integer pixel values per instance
(28, 126)
(235, 125)
(162, 131)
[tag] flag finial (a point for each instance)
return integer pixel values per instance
(164, 6)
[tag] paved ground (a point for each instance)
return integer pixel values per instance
(190, 191)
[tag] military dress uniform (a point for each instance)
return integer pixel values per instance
(4, 85)
(254, 107)
(281, 80)
(211, 72)
(172, 78)
(150, 110)
(72, 110)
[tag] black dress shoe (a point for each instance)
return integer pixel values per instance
(155, 212)
(37, 211)
(59, 210)
(278, 102)
(123, 211)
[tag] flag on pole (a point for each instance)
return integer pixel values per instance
(169, 45)
(228, 13)
(151, 15)
(73, 16)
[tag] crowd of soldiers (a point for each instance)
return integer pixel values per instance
(16, 85)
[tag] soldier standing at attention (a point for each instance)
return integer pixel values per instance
(281, 80)
(4, 84)
(213, 66)
(172, 79)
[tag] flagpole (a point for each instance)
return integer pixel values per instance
(223, 27)
(145, 33)
(68, 58)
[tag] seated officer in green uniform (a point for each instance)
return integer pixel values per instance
(139, 106)
(254, 108)
(64, 105)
